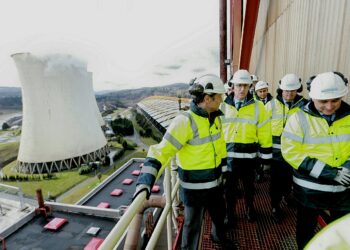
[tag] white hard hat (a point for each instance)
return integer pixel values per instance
(254, 78)
(327, 86)
(290, 82)
(208, 84)
(241, 76)
(261, 85)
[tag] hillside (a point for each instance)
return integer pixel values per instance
(10, 98)
(130, 97)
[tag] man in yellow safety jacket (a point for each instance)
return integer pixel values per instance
(197, 140)
(262, 92)
(248, 137)
(316, 143)
(283, 105)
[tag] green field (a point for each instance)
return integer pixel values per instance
(65, 180)
(93, 182)
(8, 150)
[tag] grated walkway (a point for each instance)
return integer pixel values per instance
(262, 234)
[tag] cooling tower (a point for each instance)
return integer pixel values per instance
(91, 95)
(61, 127)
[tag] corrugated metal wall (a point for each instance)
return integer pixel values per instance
(305, 37)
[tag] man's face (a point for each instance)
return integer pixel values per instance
(289, 95)
(241, 91)
(262, 93)
(213, 102)
(327, 107)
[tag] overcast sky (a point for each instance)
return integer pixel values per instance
(126, 43)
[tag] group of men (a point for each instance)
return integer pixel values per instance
(228, 135)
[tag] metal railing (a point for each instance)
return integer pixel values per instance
(118, 232)
(19, 191)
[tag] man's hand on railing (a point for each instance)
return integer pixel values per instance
(140, 188)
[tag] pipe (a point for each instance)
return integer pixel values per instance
(133, 234)
(39, 196)
(168, 201)
(250, 19)
(223, 40)
(236, 32)
(157, 230)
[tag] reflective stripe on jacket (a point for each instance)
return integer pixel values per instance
(247, 130)
(199, 147)
(310, 145)
(278, 112)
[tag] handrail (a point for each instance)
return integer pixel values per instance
(117, 232)
(158, 229)
(119, 229)
(19, 190)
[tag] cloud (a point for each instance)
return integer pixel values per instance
(161, 73)
(198, 70)
(173, 67)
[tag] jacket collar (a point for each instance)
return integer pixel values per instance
(248, 100)
(343, 111)
(201, 112)
(268, 97)
(299, 101)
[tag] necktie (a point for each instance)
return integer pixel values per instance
(239, 104)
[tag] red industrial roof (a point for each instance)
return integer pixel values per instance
(136, 172)
(103, 205)
(127, 181)
(155, 189)
(93, 244)
(117, 192)
(55, 224)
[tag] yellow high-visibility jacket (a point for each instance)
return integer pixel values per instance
(278, 112)
(199, 145)
(269, 97)
(247, 130)
(315, 149)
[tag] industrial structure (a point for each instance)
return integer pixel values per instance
(270, 39)
(273, 38)
(61, 123)
(161, 110)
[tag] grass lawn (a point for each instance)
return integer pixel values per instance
(8, 150)
(82, 190)
(55, 186)
(63, 181)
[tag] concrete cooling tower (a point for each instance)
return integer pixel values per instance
(61, 122)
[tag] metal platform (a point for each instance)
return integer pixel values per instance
(262, 234)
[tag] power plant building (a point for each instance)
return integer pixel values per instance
(61, 122)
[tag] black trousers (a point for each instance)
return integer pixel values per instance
(307, 222)
(281, 181)
(243, 169)
(213, 201)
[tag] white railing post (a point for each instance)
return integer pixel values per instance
(168, 203)
(175, 202)
(117, 232)
(158, 229)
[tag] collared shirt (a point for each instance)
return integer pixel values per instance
(288, 103)
(329, 118)
(238, 103)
